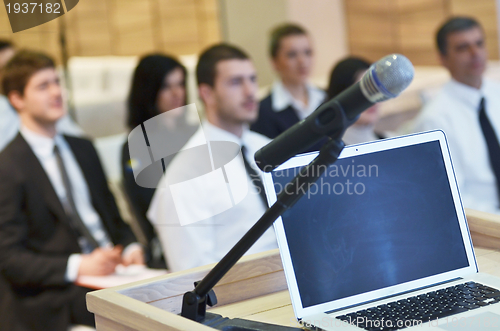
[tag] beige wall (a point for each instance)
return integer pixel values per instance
(247, 24)
(325, 19)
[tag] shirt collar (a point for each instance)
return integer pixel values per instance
(215, 133)
(282, 98)
(468, 95)
(41, 145)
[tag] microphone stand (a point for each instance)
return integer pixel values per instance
(194, 302)
(329, 120)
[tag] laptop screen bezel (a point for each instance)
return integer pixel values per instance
(356, 150)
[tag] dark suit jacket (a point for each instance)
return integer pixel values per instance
(139, 197)
(36, 239)
(272, 123)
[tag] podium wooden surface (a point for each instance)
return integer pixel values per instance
(254, 289)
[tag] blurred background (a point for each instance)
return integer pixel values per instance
(104, 39)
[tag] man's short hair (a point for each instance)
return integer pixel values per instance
(452, 25)
(4, 43)
(21, 67)
(282, 31)
(207, 64)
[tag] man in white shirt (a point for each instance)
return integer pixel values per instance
(457, 111)
(58, 219)
(292, 97)
(208, 198)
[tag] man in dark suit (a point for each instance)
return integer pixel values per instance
(292, 98)
(58, 219)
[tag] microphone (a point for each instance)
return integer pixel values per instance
(385, 79)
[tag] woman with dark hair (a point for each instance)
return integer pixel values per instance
(158, 87)
(344, 74)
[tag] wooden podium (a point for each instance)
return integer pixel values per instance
(153, 304)
(254, 289)
(484, 228)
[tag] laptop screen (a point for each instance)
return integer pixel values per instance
(373, 221)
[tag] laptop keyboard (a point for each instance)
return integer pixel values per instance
(424, 308)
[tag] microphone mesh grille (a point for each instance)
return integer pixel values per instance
(395, 72)
(387, 78)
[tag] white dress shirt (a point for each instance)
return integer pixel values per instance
(221, 222)
(282, 98)
(10, 124)
(43, 148)
(358, 134)
(455, 110)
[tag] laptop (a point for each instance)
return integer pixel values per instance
(381, 242)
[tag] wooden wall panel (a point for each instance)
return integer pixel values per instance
(179, 23)
(88, 30)
(411, 6)
(131, 27)
(418, 29)
(125, 27)
(210, 27)
(370, 54)
(413, 25)
(369, 6)
(416, 34)
(372, 30)
(371, 27)
(44, 37)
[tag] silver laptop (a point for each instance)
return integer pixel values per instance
(381, 242)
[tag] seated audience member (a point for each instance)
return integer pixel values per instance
(467, 109)
(9, 120)
(344, 74)
(158, 86)
(58, 219)
(211, 183)
(292, 98)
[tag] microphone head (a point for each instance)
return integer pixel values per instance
(387, 78)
